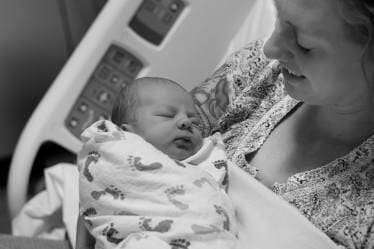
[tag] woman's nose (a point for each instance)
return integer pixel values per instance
(278, 45)
(184, 123)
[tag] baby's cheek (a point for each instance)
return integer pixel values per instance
(198, 143)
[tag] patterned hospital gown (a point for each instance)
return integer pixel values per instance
(246, 95)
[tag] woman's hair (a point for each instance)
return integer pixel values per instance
(359, 18)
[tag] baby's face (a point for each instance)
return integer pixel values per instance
(166, 117)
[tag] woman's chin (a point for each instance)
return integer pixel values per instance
(298, 90)
(291, 90)
(302, 96)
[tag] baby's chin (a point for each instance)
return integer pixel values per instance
(182, 154)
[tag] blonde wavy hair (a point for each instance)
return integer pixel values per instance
(359, 18)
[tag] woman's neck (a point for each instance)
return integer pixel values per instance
(348, 126)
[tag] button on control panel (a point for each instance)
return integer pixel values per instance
(117, 68)
(154, 18)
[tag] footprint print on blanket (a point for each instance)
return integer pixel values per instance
(89, 212)
(225, 216)
(219, 164)
(113, 191)
(92, 157)
(133, 237)
(199, 229)
(204, 181)
(173, 192)
(161, 227)
(179, 244)
(102, 127)
(110, 233)
(135, 164)
(125, 213)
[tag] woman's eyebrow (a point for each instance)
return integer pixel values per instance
(316, 33)
(301, 31)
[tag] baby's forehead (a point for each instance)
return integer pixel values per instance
(162, 87)
(166, 95)
(163, 84)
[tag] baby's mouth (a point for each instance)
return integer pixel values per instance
(183, 142)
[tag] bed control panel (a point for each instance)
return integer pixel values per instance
(116, 68)
(154, 18)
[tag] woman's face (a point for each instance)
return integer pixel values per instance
(320, 60)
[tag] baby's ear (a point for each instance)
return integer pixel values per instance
(127, 127)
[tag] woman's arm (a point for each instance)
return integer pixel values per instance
(215, 95)
(212, 98)
(84, 239)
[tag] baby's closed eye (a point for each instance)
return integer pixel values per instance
(165, 114)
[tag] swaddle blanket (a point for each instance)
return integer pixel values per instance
(134, 196)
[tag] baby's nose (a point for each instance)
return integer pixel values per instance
(184, 124)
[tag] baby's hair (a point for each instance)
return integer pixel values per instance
(126, 102)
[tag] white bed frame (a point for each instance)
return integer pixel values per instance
(190, 51)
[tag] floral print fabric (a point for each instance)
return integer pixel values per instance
(245, 100)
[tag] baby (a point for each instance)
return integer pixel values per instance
(163, 113)
(149, 180)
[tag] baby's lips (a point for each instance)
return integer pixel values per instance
(183, 141)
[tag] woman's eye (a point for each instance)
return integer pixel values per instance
(304, 46)
(296, 39)
(303, 49)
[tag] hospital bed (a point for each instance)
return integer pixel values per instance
(184, 40)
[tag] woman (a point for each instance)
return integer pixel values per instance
(302, 121)
(300, 118)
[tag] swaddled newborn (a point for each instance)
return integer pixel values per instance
(154, 182)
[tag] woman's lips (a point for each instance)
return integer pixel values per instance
(291, 76)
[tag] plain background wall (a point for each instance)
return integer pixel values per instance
(36, 39)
